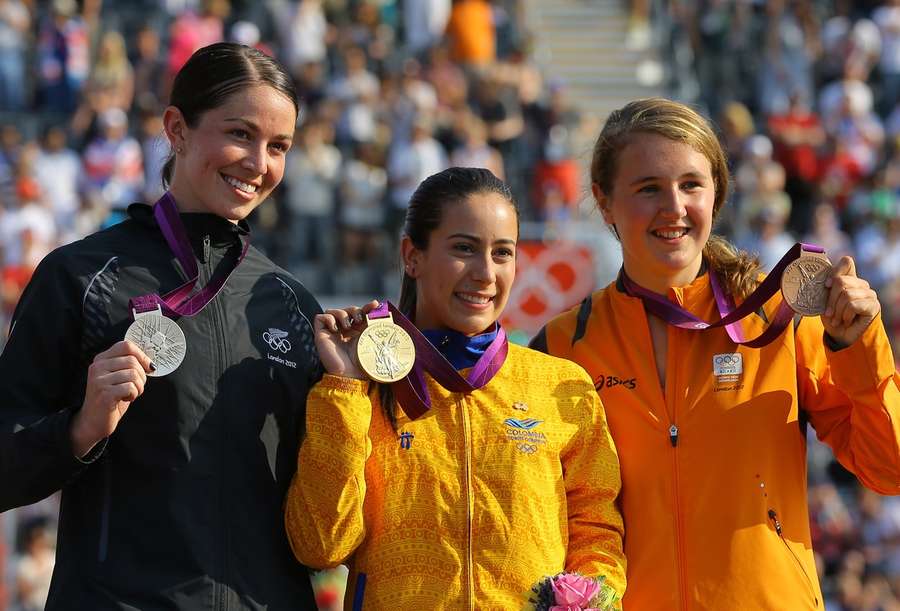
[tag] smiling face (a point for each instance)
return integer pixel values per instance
(661, 204)
(464, 276)
(232, 159)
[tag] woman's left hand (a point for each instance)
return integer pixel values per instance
(852, 304)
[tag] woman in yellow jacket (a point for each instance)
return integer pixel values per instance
(471, 504)
(711, 434)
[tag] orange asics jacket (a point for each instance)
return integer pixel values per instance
(468, 506)
(714, 464)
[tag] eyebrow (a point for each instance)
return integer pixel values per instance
(253, 126)
(474, 238)
(641, 179)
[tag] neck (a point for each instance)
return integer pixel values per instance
(660, 281)
(185, 203)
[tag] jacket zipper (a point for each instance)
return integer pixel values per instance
(103, 545)
(673, 433)
(470, 577)
(776, 523)
(219, 339)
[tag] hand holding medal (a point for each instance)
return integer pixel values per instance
(851, 304)
(115, 379)
(337, 336)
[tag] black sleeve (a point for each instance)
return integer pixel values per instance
(39, 368)
(539, 341)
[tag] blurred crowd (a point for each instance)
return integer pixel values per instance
(806, 94)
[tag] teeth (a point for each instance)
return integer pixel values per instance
(473, 298)
(669, 235)
(242, 186)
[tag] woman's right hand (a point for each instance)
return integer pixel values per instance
(337, 333)
(115, 379)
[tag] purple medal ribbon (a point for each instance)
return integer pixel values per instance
(180, 302)
(730, 316)
(412, 392)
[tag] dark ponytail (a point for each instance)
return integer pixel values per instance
(423, 215)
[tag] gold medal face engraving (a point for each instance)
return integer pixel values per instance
(803, 284)
(160, 338)
(385, 351)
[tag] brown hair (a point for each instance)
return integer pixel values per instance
(738, 270)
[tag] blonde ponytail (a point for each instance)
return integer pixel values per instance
(737, 269)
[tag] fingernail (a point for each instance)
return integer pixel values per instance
(828, 312)
(152, 366)
(827, 281)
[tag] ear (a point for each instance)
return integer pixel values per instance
(175, 127)
(412, 257)
(603, 203)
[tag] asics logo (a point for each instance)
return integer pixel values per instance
(277, 340)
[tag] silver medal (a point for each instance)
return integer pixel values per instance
(160, 338)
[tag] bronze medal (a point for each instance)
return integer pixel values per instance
(385, 351)
(803, 284)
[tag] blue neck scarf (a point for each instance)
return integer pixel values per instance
(461, 350)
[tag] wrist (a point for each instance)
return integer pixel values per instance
(82, 440)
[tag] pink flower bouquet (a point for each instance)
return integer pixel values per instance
(573, 592)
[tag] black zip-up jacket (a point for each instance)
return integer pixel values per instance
(181, 507)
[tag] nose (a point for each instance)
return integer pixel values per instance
(256, 160)
(672, 203)
(484, 269)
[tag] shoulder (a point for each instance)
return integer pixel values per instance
(293, 290)
(564, 330)
(527, 363)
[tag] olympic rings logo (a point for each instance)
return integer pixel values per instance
(277, 340)
(726, 359)
(526, 448)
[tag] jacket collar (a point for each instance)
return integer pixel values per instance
(197, 225)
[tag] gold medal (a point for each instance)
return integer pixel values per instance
(385, 351)
(803, 283)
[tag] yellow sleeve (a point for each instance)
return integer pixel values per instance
(852, 397)
(323, 512)
(593, 481)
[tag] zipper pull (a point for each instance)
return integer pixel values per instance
(206, 248)
(673, 435)
(774, 517)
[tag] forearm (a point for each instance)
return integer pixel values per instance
(324, 508)
(38, 460)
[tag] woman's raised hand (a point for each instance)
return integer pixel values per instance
(337, 333)
(852, 304)
(115, 379)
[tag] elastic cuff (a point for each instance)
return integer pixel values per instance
(92, 455)
(351, 385)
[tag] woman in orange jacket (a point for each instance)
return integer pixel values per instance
(471, 503)
(711, 432)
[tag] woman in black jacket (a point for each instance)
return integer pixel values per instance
(173, 450)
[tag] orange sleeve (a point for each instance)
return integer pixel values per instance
(852, 397)
(323, 513)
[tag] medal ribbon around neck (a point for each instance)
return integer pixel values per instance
(411, 391)
(180, 302)
(677, 316)
(158, 335)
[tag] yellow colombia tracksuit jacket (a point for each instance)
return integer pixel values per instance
(714, 464)
(468, 506)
